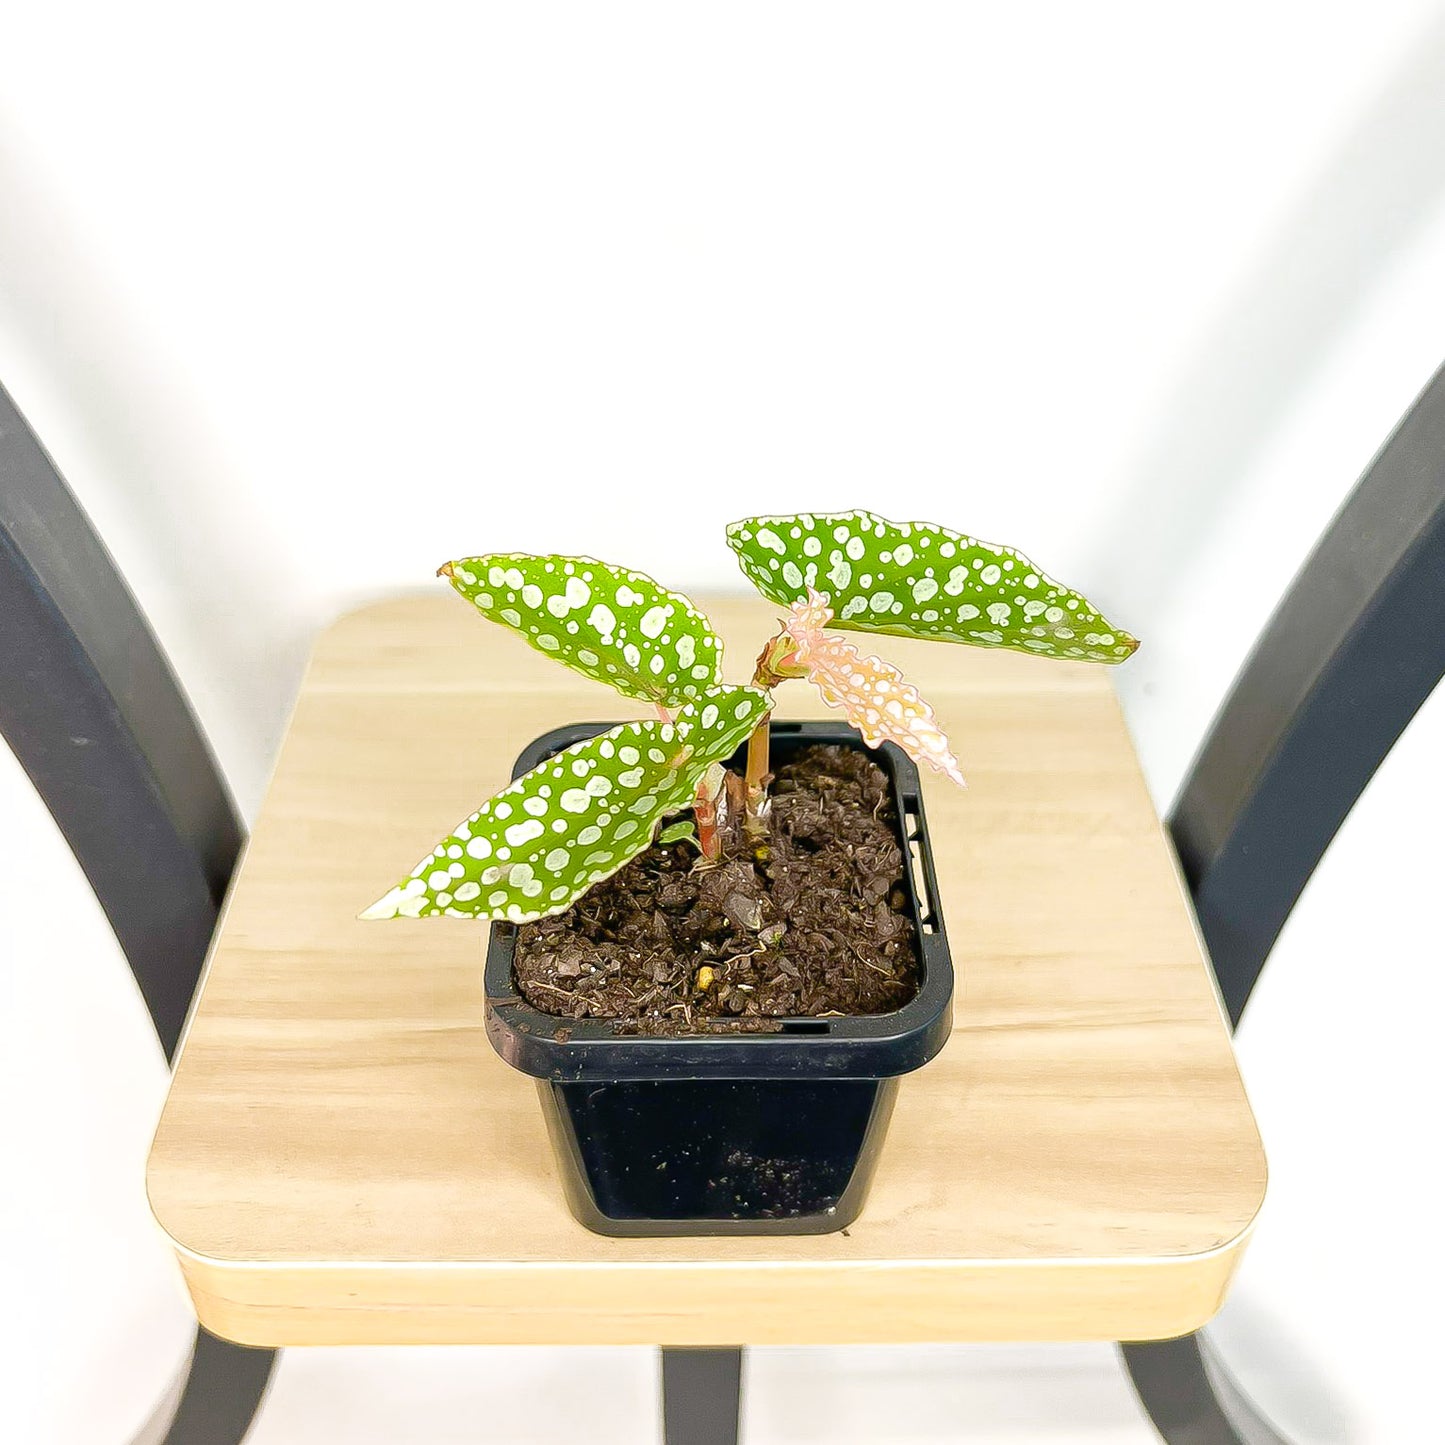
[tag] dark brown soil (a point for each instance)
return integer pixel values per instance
(812, 922)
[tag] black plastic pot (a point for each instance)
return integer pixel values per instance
(730, 1133)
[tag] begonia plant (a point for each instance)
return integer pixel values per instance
(542, 842)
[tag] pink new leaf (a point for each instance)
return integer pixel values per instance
(871, 693)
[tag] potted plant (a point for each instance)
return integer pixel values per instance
(716, 939)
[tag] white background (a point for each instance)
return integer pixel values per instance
(305, 298)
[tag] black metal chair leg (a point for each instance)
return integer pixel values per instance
(701, 1396)
(1190, 1398)
(217, 1399)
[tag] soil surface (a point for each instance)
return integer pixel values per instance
(812, 921)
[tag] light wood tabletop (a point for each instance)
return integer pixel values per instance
(342, 1159)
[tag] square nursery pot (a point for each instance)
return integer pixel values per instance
(775, 1133)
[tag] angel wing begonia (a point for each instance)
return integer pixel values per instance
(871, 693)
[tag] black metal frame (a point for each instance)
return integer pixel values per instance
(1353, 650)
(1355, 647)
(97, 719)
(701, 1396)
(92, 710)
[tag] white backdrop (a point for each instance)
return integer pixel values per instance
(305, 298)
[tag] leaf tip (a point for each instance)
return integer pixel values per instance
(951, 770)
(446, 570)
(384, 907)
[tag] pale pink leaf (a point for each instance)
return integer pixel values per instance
(871, 693)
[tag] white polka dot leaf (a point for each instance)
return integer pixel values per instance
(608, 623)
(915, 579)
(543, 841)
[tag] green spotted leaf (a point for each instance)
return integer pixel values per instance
(537, 846)
(712, 726)
(681, 831)
(915, 579)
(608, 623)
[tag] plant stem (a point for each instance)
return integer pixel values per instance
(775, 663)
(709, 807)
(755, 782)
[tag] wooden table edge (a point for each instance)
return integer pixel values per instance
(708, 1302)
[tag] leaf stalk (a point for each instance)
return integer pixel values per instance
(777, 662)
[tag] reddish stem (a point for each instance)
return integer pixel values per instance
(706, 813)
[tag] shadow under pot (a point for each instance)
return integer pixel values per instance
(730, 1133)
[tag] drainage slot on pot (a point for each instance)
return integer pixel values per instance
(804, 1026)
(927, 914)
